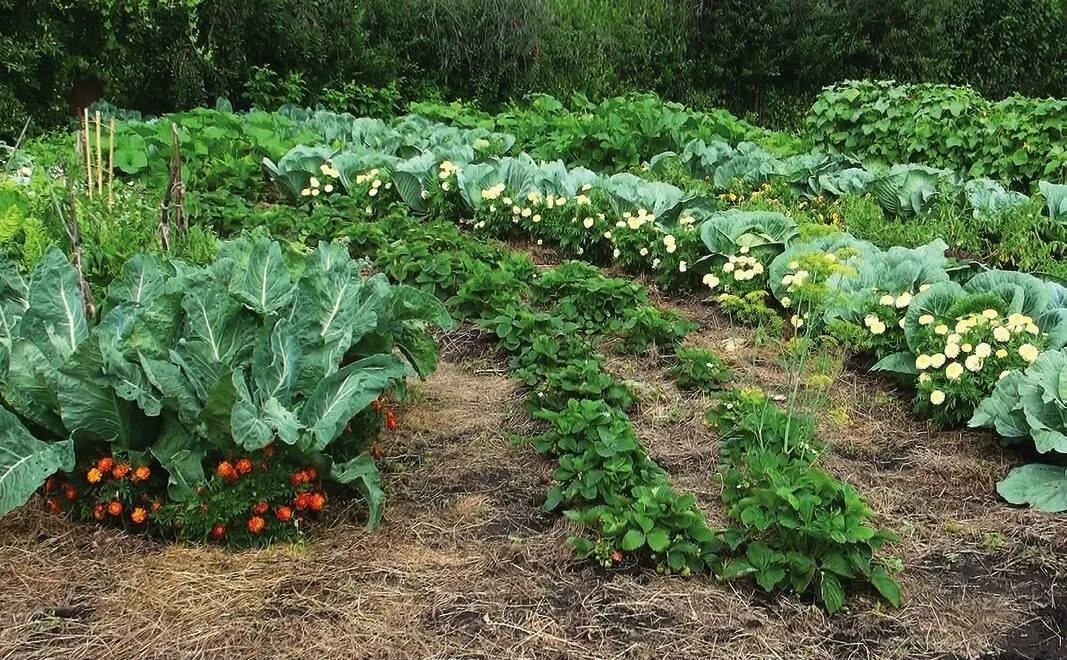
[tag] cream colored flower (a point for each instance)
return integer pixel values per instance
(983, 350)
(1002, 334)
(937, 397)
(937, 360)
(922, 362)
(973, 363)
(886, 300)
(587, 223)
(926, 319)
(903, 300)
(1028, 352)
(953, 371)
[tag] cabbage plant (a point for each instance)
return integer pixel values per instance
(1032, 404)
(187, 364)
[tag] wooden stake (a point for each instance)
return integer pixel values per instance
(110, 160)
(88, 154)
(99, 159)
(172, 209)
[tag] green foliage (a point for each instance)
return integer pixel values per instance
(798, 526)
(605, 474)
(188, 363)
(949, 127)
(751, 310)
(646, 327)
(1032, 404)
(699, 368)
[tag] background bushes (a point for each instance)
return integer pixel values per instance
(1017, 140)
(768, 58)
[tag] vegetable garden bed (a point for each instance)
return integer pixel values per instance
(738, 490)
(468, 565)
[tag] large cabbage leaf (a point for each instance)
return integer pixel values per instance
(724, 233)
(25, 461)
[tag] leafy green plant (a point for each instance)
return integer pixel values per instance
(798, 526)
(1031, 404)
(963, 339)
(945, 126)
(616, 489)
(646, 327)
(190, 363)
(699, 368)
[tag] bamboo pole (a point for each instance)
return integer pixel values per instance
(99, 158)
(110, 160)
(88, 154)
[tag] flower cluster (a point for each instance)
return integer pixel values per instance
(112, 489)
(739, 275)
(316, 187)
(963, 358)
(446, 172)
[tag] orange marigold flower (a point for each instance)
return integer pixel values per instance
(298, 478)
(256, 524)
(269, 450)
(139, 515)
(244, 466)
(316, 501)
(302, 501)
(616, 556)
(218, 530)
(115, 508)
(70, 493)
(260, 508)
(105, 464)
(226, 471)
(53, 505)
(120, 471)
(99, 511)
(49, 484)
(142, 473)
(311, 473)
(283, 514)
(156, 506)
(94, 476)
